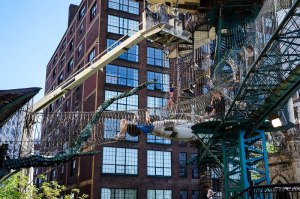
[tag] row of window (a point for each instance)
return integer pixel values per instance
(125, 5)
(125, 161)
(125, 76)
(107, 193)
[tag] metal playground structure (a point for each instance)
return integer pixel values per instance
(234, 69)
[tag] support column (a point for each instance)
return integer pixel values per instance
(245, 161)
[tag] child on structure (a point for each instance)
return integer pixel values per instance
(210, 194)
(134, 128)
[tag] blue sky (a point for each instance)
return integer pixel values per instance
(30, 33)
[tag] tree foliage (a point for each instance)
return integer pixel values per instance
(19, 187)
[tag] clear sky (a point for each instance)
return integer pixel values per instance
(30, 33)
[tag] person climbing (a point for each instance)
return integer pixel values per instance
(133, 128)
(249, 55)
(171, 95)
(218, 104)
(210, 193)
(171, 92)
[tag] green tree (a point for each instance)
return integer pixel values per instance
(18, 187)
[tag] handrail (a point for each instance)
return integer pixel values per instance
(257, 187)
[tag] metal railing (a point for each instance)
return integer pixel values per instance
(274, 191)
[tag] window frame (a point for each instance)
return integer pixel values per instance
(117, 106)
(164, 166)
(114, 194)
(114, 25)
(149, 191)
(81, 13)
(121, 75)
(120, 5)
(93, 11)
(162, 80)
(182, 164)
(128, 55)
(156, 57)
(116, 162)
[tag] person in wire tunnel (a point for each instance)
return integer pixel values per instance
(178, 129)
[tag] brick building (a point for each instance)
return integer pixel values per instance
(153, 167)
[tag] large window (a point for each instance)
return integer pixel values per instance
(121, 75)
(120, 161)
(122, 26)
(156, 57)
(112, 127)
(124, 5)
(162, 81)
(107, 193)
(182, 164)
(159, 194)
(130, 55)
(126, 103)
(158, 163)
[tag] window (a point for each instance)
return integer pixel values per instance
(79, 52)
(195, 194)
(71, 46)
(60, 78)
(122, 26)
(195, 168)
(182, 164)
(162, 81)
(156, 57)
(81, 13)
(107, 193)
(158, 163)
(72, 168)
(63, 58)
(124, 5)
(127, 103)
(93, 11)
(70, 65)
(92, 55)
(183, 194)
(77, 94)
(112, 127)
(64, 44)
(155, 194)
(121, 75)
(130, 55)
(80, 29)
(120, 161)
(67, 105)
(54, 73)
(55, 60)
(268, 22)
(62, 170)
(53, 174)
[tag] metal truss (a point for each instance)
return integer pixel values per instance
(273, 77)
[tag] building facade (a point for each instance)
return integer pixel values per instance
(140, 167)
